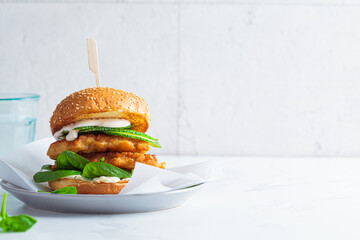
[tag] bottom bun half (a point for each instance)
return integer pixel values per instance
(88, 187)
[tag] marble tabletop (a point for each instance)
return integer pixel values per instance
(260, 198)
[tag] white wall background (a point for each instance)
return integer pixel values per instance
(260, 77)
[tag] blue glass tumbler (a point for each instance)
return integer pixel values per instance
(17, 120)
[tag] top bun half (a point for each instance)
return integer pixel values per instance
(95, 103)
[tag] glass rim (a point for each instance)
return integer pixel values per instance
(18, 96)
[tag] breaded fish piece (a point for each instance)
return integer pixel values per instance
(125, 160)
(90, 143)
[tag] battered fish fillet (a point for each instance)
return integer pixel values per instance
(90, 143)
(125, 160)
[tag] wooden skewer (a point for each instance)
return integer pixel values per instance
(93, 59)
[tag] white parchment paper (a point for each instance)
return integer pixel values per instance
(19, 167)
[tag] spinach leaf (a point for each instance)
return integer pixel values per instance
(65, 190)
(68, 160)
(19, 223)
(46, 167)
(53, 175)
(97, 169)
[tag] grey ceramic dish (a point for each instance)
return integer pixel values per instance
(130, 203)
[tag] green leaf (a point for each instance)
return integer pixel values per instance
(109, 129)
(19, 223)
(63, 135)
(138, 133)
(68, 160)
(97, 169)
(53, 175)
(102, 159)
(3, 208)
(96, 128)
(65, 190)
(152, 142)
(46, 167)
(121, 132)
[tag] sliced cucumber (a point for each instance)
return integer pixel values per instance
(137, 133)
(121, 132)
(152, 142)
(96, 128)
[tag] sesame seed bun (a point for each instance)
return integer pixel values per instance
(95, 103)
(88, 187)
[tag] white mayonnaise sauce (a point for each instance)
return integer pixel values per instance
(76, 177)
(104, 122)
(106, 179)
(102, 179)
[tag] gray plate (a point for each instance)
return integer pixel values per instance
(130, 203)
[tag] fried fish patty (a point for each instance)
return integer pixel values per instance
(90, 143)
(125, 160)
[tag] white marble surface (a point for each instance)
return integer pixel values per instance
(263, 198)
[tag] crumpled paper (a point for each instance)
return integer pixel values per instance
(19, 167)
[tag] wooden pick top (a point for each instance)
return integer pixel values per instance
(93, 59)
